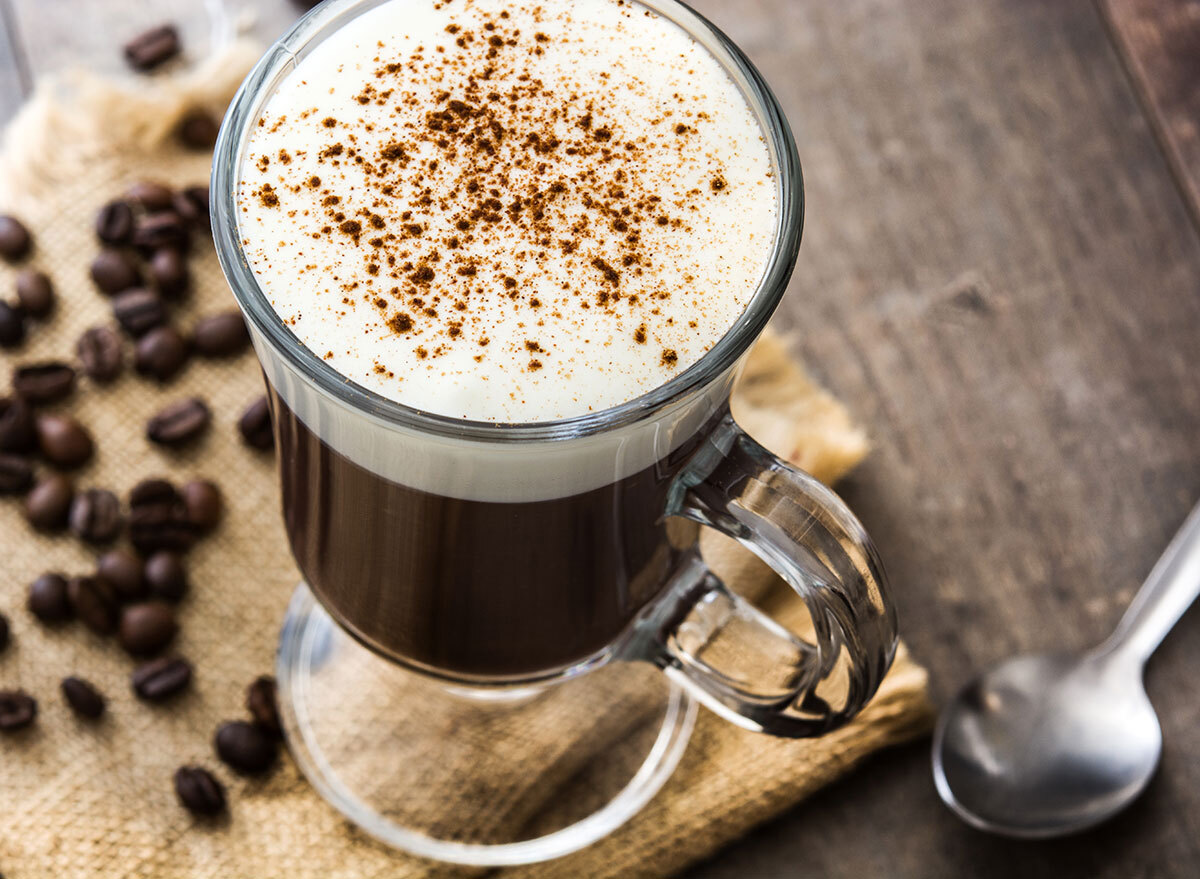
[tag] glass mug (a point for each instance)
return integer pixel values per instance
(496, 560)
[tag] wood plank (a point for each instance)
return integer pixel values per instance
(1160, 42)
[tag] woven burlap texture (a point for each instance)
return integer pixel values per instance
(80, 799)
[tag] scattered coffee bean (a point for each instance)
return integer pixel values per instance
(15, 241)
(198, 129)
(99, 351)
(179, 423)
(160, 229)
(221, 334)
(203, 501)
(12, 326)
(84, 699)
(160, 353)
(46, 382)
(150, 195)
(48, 600)
(166, 576)
(199, 791)
(262, 703)
(153, 47)
(153, 491)
(191, 203)
(63, 440)
(138, 311)
(114, 223)
(160, 679)
(4, 632)
(245, 747)
(114, 271)
(94, 603)
(158, 518)
(146, 628)
(255, 425)
(17, 710)
(169, 272)
(48, 504)
(122, 571)
(35, 292)
(96, 516)
(18, 432)
(16, 474)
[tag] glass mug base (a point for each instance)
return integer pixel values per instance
(493, 777)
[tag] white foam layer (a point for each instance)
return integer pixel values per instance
(591, 196)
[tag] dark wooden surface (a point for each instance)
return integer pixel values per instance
(1001, 277)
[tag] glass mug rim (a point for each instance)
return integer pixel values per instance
(257, 89)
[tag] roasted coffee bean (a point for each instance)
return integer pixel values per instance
(16, 474)
(17, 710)
(12, 326)
(166, 576)
(15, 241)
(198, 129)
(158, 518)
(160, 229)
(160, 353)
(262, 703)
(203, 501)
(160, 679)
(48, 600)
(94, 603)
(122, 571)
(153, 47)
(114, 223)
(99, 352)
(5, 632)
(245, 747)
(63, 440)
(199, 791)
(153, 491)
(179, 423)
(35, 292)
(18, 432)
(44, 382)
(221, 334)
(150, 195)
(191, 203)
(138, 311)
(48, 504)
(96, 516)
(255, 425)
(146, 627)
(84, 699)
(169, 272)
(114, 271)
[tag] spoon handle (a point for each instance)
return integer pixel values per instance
(1170, 589)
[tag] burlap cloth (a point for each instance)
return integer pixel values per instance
(81, 799)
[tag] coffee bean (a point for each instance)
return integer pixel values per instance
(221, 334)
(17, 710)
(16, 474)
(94, 603)
(199, 791)
(191, 203)
(4, 632)
(114, 223)
(48, 600)
(158, 230)
(138, 311)
(35, 292)
(153, 47)
(255, 425)
(203, 501)
(198, 129)
(179, 423)
(114, 271)
(146, 628)
(158, 518)
(262, 703)
(122, 571)
(48, 503)
(150, 195)
(18, 432)
(160, 679)
(166, 576)
(12, 326)
(84, 699)
(46, 382)
(245, 747)
(99, 351)
(169, 273)
(15, 241)
(96, 516)
(160, 353)
(63, 440)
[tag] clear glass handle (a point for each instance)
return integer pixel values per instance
(736, 659)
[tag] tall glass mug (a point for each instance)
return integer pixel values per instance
(512, 623)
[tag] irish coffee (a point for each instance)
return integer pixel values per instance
(511, 213)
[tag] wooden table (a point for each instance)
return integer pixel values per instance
(1001, 276)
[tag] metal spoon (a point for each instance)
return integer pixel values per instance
(1053, 743)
